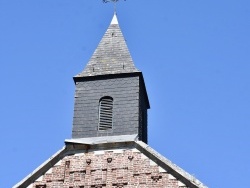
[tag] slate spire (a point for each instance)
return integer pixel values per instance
(111, 56)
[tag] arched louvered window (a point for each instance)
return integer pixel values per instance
(105, 113)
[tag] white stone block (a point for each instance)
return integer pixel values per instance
(152, 163)
(135, 150)
(181, 184)
(171, 177)
(40, 178)
(161, 169)
(58, 163)
(119, 151)
(100, 152)
(144, 156)
(30, 186)
(79, 154)
(49, 171)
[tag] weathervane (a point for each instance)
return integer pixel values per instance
(106, 1)
(114, 1)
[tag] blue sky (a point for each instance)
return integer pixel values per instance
(194, 56)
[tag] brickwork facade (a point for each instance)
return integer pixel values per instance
(128, 168)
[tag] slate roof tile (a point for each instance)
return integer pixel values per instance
(111, 56)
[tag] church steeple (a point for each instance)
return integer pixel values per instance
(109, 128)
(110, 97)
(111, 56)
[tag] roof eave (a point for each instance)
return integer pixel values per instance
(78, 78)
(123, 141)
(40, 170)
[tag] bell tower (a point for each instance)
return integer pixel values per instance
(110, 95)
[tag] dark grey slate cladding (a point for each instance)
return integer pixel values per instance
(111, 56)
(143, 115)
(125, 94)
(111, 72)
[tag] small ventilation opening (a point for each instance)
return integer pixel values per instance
(41, 186)
(105, 113)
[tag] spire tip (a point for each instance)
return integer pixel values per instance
(114, 20)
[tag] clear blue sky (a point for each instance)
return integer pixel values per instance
(195, 59)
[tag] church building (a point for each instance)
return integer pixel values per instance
(108, 148)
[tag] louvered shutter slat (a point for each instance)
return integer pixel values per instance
(105, 114)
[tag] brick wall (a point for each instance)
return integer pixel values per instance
(127, 168)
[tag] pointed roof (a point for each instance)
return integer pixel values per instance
(111, 56)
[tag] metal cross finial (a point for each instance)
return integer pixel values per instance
(114, 1)
(106, 1)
